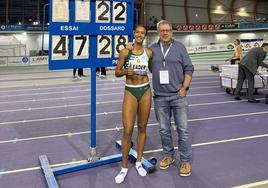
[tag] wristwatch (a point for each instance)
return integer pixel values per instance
(186, 88)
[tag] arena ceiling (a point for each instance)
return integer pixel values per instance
(29, 11)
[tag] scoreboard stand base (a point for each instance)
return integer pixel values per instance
(50, 173)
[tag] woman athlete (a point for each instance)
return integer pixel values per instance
(237, 54)
(137, 98)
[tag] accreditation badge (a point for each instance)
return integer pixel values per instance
(164, 77)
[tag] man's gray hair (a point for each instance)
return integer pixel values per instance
(163, 22)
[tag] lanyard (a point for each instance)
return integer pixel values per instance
(164, 54)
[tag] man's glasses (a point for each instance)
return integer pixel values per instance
(165, 30)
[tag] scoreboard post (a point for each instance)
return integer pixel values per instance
(89, 34)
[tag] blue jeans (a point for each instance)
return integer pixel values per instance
(164, 108)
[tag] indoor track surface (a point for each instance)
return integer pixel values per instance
(47, 112)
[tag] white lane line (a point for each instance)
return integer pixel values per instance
(118, 128)
(38, 168)
(66, 134)
(56, 92)
(204, 94)
(205, 87)
(207, 82)
(116, 112)
(71, 85)
(56, 118)
(83, 96)
(59, 98)
(221, 102)
(84, 86)
(217, 142)
(229, 116)
(88, 90)
(105, 102)
(87, 104)
(231, 140)
(253, 185)
(55, 107)
(60, 87)
(148, 151)
(45, 108)
(85, 90)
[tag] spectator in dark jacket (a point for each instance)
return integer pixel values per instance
(248, 68)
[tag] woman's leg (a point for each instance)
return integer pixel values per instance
(144, 110)
(129, 113)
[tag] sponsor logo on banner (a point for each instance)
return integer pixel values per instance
(217, 26)
(204, 27)
(247, 45)
(3, 27)
(212, 48)
(39, 60)
(185, 27)
(211, 27)
(191, 27)
(10, 27)
(256, 44)
(200, 49)
(198, 27)
(179, 27)
(229, 26)
(25, 60)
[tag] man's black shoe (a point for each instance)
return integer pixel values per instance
(237, 98)
(253, 100)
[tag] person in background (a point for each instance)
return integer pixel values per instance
(101, 72)
(237, 54)
(137, 99)
(247, 69)
(79, 72)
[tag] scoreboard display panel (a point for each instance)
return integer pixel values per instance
(87, 33)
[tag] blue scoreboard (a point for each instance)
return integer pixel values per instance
(87, 33)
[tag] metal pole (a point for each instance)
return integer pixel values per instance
(23, 14)
(93, 107)
(43, 27)
(38, 12)
(7, 12)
